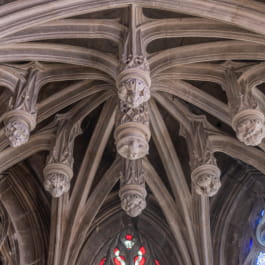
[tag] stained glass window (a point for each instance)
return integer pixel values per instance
(259, 217)
(129, 248)
(102, 262)
(157, 262)
(261, 258)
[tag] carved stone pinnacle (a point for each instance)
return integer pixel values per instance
(206, 180)
(133, 199)
(132, 140)
(18, 125)
(249, 126)
(133, 82)
(57, 179)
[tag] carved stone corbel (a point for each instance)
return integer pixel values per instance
(247, 118)
(21, 119)
(59, 169)
(132, 132)
(132, 187)
(205, 173)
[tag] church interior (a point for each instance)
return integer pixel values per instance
(132, 132)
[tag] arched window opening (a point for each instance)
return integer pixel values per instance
(256, 240)
(129, 248)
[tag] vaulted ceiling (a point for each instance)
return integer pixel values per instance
(61, 67)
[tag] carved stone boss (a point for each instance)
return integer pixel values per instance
(247, 119)
(132, 187)
(21, 119)
(205, 173)
(59, 169)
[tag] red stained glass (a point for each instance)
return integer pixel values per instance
(157, 262)
(102, 261)
(129, 237)
(142, 262)
(142, 249)
(139, 260)
(119, 260)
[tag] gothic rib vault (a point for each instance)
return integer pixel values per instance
(148, 109)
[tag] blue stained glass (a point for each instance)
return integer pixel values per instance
(250, 243)
(259, 217)
(261, 259)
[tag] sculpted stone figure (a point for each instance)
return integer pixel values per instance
(57, 179)
(133, 200)
(132, 133)
(134, 81)
(206, 180)
(57, 184)
(133, 204)
(249, 126)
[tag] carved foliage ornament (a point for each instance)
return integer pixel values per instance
(132, 190)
